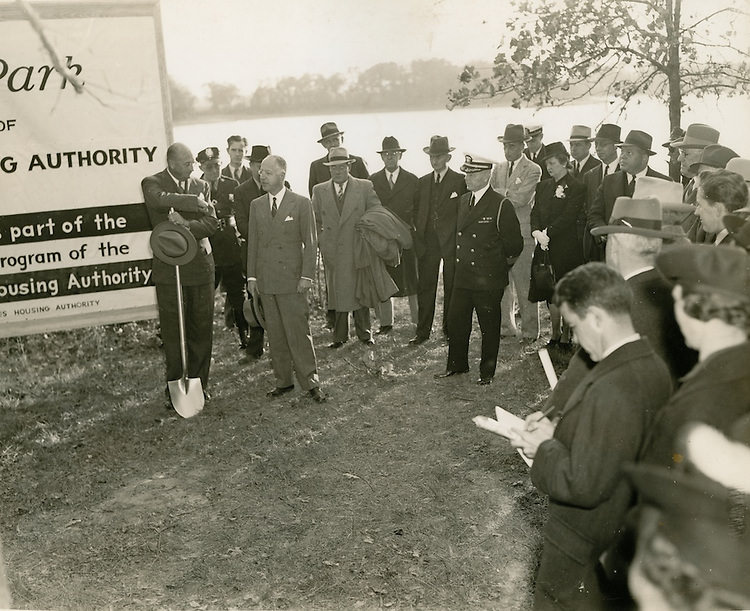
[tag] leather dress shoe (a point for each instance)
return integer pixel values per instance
(484, 381)
(448, 374)
(316, 395)
(206, 396)
(368, 342)
(416, 340)
(384, 330)
(335, 345)
(278, 391)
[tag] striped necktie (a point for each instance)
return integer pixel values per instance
(274, 208)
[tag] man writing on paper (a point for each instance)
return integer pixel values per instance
(578, 461)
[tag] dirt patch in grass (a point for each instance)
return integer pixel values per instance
(386, 495)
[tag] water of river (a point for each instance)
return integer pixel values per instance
(473, 129)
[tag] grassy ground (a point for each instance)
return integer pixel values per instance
(386, 495)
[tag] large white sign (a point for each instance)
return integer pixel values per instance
(73, 227)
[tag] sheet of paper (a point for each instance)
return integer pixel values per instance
(503, 426)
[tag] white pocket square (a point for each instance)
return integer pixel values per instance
(518, 181)
(289, 218)
(454, 194)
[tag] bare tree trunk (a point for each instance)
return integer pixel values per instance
(672, 19)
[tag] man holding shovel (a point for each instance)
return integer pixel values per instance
(172, 195)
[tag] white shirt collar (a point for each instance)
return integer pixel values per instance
(626, 340)
(720, 236)
(479, 194)
(640, 270)
(440, 174)
(583, 161)
(340, 187)
(394, 174)
(279, 197)
(641, 173)
(611, 167)
(176, 181)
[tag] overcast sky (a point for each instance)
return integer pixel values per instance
(248, 42)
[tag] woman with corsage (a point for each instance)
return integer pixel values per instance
(553, 225)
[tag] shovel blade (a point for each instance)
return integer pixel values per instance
(186, 395)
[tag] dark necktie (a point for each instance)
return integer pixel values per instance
(274, 209)
(437, 179)
(390, 180)
(471, 201)
(631, 186)
(183, 186)
(340, 198)
(510, 168)
(606, 169)
(576, 167)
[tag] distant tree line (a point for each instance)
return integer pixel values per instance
(385, 86)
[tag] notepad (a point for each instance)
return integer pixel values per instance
(503, 424)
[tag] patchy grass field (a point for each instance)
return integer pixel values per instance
(386, 495)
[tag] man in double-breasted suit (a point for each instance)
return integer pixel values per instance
(189, 201)
(634, 155)
(488, 240)
(396, 189)
(435, 234)
(281, 253)
(339, 203)
(516, 179)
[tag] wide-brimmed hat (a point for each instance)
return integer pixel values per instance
(580, 133)
(173, 244)
(714, 156)
(708, 268)
(554, 148)
(439, 146)
(640, 139)
(390, 145)
(338, 155)
(675, 135)
(739, 228)
(669, 194)
(259, 152)
(636, 216)
(741, 166)
(609, 131)
(252, 309)
(533, 129)
(513, 133)
(210, 153)
(697, 136)
(475, 163)
(329, 129)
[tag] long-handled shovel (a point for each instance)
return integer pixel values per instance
(186, 393)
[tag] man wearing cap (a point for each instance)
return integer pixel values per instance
(435, 234)
(535, 149)
(516, 178)
(635, 237)
(697, 137)
(396, 189)
(605, 143)
(488, 241)
(712, 305)
(578, 460)
(174, 195)
(236, 168)
(634, 155)
(225, 242)
(338, 204)
(281, 254)
(330, 137)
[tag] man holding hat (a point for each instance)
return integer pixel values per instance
(488, 241)
(225, 242)
(174, 195)
(236, 168)
(338, 204)
(396, 189)
(435, 234)
(712, 305)
(516, 179)
(697, 137)
(605, 143)
(535, 149)
(281, 255)
(635, 152)
(332, 137)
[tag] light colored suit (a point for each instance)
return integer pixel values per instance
(281, 250)
(519, 189)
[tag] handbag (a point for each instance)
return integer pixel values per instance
(542, 284)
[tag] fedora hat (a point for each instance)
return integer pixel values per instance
(739, 228)
(714, 156)
(636, 216)
(708, 268)
(252, 309)
(640, 139)
(513, 133)
(675, 135)
(439, 146)
(580, 133)
(609, 131)
(669, 194)
(259, 152)
(741, 166)
(698, 136)
(338, 155)
(474, 163)
(329, 129)
(210, 153)
(533, 129)
(173, 244)
(554, 148)
(390, 145)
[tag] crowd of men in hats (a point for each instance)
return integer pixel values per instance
(651, 280)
